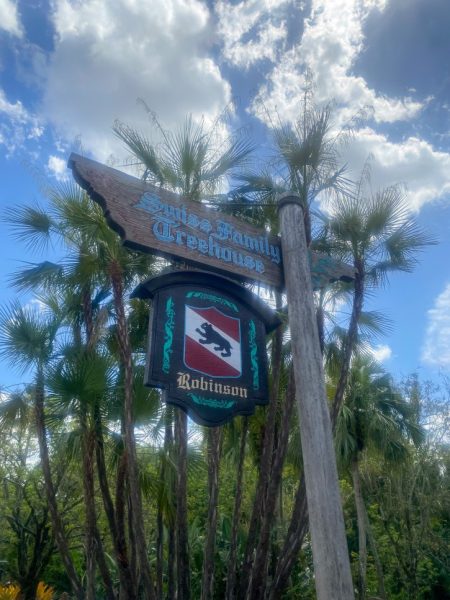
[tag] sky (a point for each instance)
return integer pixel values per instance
(70, 68)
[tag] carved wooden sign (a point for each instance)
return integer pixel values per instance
(154, 220)
(207, 345)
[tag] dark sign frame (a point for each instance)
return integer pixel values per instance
(210, 398)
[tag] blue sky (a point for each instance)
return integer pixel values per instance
(69, 68)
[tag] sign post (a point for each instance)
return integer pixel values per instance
(329, 544)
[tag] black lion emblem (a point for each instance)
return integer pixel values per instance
(211, 336)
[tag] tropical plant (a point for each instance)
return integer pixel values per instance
(377, 234)
(376, 418)
(305, 162)
(192, 161)
(27, 340)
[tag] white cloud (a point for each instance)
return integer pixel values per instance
(252, 30)
(381, 352)
(424, 171)
(15, 112)
(331, 42)
(108, 54)
(9, 18)
(436, 349)
(264, 47)
(57, 166)
(17, 125)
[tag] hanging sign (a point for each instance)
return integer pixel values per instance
(207, 346)
(154, 220)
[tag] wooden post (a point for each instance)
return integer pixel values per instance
(329, 545)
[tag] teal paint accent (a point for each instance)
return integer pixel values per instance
(214, 298)
(168, 334)
(253, 354)
(168, 217)
(212, 402)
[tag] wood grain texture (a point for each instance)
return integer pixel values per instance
(329, 544)
(120, 194)
(154, 220)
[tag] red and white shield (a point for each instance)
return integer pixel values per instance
(212, 342)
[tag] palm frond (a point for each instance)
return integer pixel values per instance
(143, 150)
(373, 324)
(30, 225)
(80, 379)
(26, 335)
(16, 409)
(404, 243)
(235, 156)
(42, 275)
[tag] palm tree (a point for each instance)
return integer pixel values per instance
(375, 232)
(306, 162)
(27, 340)
(214, 438)
(95, 259)
(77, 381)
(373, 418)
(191, 161)
(232, 559)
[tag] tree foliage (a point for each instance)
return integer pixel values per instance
(107, 492)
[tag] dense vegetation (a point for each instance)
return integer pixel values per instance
(106, 492)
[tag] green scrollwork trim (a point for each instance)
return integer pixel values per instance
(212, 402)
(253, 354)
(213, 298)
(168, 334)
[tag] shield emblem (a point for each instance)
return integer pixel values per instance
(212, 342)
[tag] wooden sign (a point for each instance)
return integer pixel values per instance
(154, 220)
(207, 345)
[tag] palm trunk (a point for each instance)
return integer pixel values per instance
(258, 509)
(94, 545)
(362, 535)
(171, 550)
(89, 503)
(214, 445)
(160, 514)
(127, 585)
(182, 544)
(60, 537)
(232, 561)
(171, 560)
(159, 551)
(103, 567)
(376, 557)
(129, 441)
(121, 479)
(28, 590)
(30, 568)
(132, 544)
(260, 565)
(350, 342)
(294, 539)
